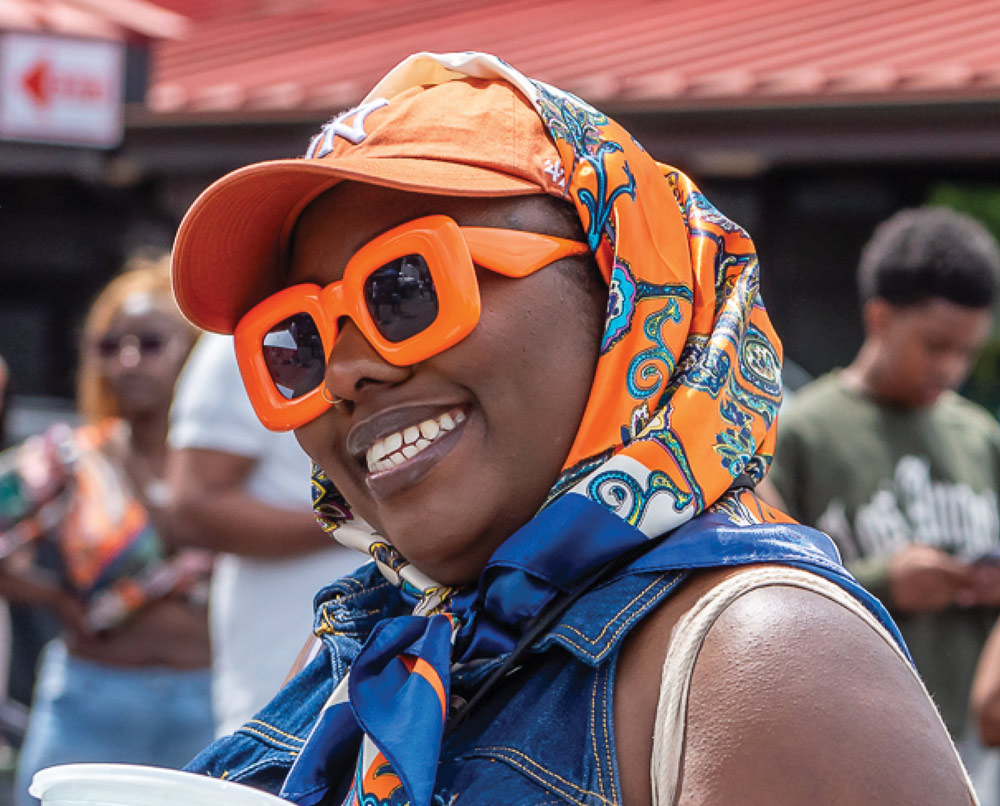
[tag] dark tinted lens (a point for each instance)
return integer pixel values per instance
(151, 343)
(148, 344)
(293, 352)
(107, 348)
(401, 298)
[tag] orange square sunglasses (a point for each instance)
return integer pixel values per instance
(412, 292)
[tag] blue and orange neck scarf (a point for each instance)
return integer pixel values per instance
(684, 402)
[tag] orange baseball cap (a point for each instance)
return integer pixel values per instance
(463, 137)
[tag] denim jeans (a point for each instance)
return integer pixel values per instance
(86, 711)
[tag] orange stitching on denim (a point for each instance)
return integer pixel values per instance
(606, 677)
(320, 631)
(644, 592)
(548, 784)
(361, 591)
(587, 650)
(527, 771)
(373, 612)
(329, 623)
(325, 614)
(323, 627)
(633, 617)
(280, 732)
(629, 604)
(291, 748)
(593, 735)
(327, 627)
(645, 606)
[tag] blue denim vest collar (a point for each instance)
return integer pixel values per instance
(547, 732)
(261, 752)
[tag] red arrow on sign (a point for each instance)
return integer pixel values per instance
(36, 82)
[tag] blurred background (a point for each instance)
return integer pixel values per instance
(807, 122)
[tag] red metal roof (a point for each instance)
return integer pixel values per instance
(257, 58)
(106, 19)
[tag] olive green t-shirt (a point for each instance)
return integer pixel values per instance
(876, 478)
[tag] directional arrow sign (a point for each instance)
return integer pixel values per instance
(35, 83)
(60, 90)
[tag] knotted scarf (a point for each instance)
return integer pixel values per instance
(683, 402)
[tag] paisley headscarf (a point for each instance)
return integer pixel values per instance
(683, 404)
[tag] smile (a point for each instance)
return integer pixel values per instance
(399, 447)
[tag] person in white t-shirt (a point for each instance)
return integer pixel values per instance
(244, 492)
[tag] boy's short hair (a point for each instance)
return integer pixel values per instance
(928, 253)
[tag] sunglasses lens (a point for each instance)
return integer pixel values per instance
(401, 298)
(148, 345)
(107, 348)
(151, 343)
(293, 352)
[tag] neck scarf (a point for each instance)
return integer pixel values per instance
(683, 402)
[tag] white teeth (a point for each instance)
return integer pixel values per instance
(396, 448)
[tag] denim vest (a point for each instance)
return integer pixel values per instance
(545, 734)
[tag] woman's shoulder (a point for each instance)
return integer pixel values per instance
(794, 697)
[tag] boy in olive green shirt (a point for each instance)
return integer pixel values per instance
(897, 468)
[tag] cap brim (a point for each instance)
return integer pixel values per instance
(227, 256)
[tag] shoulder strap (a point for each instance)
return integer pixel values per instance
(685, 644)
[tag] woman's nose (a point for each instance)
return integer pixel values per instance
(129, 353)
(354, 366)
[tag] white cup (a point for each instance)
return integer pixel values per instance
(138, 785)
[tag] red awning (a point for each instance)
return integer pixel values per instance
(259, 57)
(105, 19)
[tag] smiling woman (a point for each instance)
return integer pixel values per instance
(535, 376)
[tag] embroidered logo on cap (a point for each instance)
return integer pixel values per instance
(354, 132)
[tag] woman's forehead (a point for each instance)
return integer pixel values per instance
(339, 222)
(152, 312)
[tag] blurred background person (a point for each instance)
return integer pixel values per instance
(12, 714)
(244, 491)
(26, 628)
(901, 471)
(127, 680)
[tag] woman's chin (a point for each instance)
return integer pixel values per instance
(447, 563)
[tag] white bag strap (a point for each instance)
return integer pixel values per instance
(686, 642)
